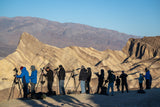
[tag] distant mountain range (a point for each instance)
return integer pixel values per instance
(58, 34)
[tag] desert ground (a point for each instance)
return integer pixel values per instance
(132, 99)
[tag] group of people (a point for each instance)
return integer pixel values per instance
(84, 79)
(26, 79)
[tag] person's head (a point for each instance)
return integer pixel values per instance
(33, 68)
(117, 77)
(60, 66)
(122, 72)
(141, 74)
(109, 71)
(88, 69)
(102, 71)
(21, 67)
(47, 69)
(82, 67)
(146, 69)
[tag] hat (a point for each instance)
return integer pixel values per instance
(47, 67)
(33, 68)
(21, 67)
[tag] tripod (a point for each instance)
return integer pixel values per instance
(15, 81)
(73, 76)
(40, 80)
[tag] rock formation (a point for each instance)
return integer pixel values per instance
(136, 55)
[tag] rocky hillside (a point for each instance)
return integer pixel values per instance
(58, 34)
(31, 51)
(147, 47)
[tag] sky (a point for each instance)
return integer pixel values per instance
(134, 17)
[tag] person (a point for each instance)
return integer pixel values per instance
(118, 81)
(61, 77)
(33, 79)
(111, 79)
(141, 81)
(82, 79)
(100, 80)
(25, 80)
(148, 78)
(50, 79)
(88, 79)
(123, 77)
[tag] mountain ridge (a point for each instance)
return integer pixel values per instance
(60, 34)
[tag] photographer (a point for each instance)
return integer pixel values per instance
(25, 80)
(141, 78)
(61, 76)
(33, 79)
(123, 77)
(50, 79)
(111, 79)
(83, 78)
(100, 80)
(88, 79)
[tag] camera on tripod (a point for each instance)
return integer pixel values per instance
(42, 71)
(16, 79)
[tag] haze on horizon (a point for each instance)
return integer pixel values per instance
(134, 17)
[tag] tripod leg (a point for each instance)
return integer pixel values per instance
(77, 86)
(68, 80)
(19, 83)
(38, 82)
(12, 88)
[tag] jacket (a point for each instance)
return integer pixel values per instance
(61, 74)
(141, 79)
(33, 77)
(118, 81)
(123, 78)
(111, 78)
(83, 75)
(24, 75)
(147, 76)
(89, 76)
(49, 75)
(100, 78)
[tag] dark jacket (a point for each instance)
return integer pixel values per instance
(83, 75)
(89, 76)
(100, 78)
(111, 78)
(118, 81)
(49, 75)
(61, 74)
(123, 78)
(24, 75)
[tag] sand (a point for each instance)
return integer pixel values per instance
(131, 99)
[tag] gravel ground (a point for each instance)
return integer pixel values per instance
(131, 99)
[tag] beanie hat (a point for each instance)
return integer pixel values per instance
(21, 67)
(33, 68)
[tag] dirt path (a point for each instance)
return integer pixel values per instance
(131, 99)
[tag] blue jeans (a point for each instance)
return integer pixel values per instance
(110, 85)
(83, 89)
(61, 87)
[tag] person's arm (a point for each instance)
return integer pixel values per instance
(20, 76)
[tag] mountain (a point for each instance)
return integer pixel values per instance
(58, 34)
(30, 51)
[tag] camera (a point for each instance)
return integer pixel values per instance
(15, 69)
(56, 69)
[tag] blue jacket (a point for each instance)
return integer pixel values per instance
(141, 79)
(24, 75)
(147, 76)
(33, 77)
